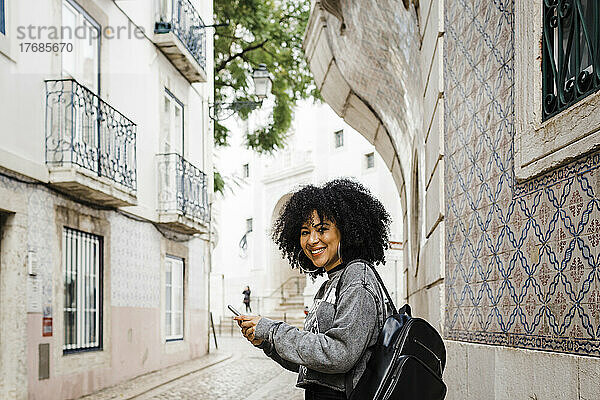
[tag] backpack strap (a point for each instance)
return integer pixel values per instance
(348, 376)
(387, 295)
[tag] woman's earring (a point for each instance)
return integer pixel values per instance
(339, 251)
(305, 270)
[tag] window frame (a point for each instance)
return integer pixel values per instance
(540, 146)
(96, 25)
(2, 18)
(163, 140)
(249, 225)
(99, 290)
(338, 134)
(549, 63)
(370, 156)
(169, 336)
(246, 170)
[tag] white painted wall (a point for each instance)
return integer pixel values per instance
(309, 157)
(134, 75)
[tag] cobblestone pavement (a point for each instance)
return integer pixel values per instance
(248, 374)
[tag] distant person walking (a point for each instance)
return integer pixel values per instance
(246, 294)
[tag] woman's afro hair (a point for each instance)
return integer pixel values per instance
(361, 219)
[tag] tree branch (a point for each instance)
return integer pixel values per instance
(224, 63)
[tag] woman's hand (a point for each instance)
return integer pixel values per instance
(248, 324)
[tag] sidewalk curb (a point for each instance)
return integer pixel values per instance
(218, 361)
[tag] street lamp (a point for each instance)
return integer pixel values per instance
(262, 88)
(262, 82)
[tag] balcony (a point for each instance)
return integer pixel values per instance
(182, 195)
(180, 34)
(90, 146)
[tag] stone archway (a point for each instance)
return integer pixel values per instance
(378, 93)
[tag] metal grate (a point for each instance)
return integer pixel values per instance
(181, 18)
(83, 290)
(182, 187)
(83, 130)
(571, 55)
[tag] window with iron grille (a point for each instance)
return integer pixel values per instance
(571, 54)
(339, 138)
(82, 265)
(173, 298)
(246, 170)
(2, 18)
(249, 225)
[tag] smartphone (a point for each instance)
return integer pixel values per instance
(233, 310)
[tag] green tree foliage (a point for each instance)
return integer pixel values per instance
(261, 32)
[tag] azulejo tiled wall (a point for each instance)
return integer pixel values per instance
(522, 259)
(135, 263)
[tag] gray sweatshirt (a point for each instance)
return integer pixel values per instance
(335, 340)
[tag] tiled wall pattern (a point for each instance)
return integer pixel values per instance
(135, 263)
(523, 259)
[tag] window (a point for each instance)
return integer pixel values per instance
(246, 170)
(2, 18)
(339, 138)
(555, 109)
(570, 62)
(173, 298)
(171, 135)
(82, 265)
(370, 160)
(249, 225)
(81, 31)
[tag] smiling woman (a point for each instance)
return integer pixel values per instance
(339, 229)
(320, 241)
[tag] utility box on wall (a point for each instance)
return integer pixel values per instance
(44, 361)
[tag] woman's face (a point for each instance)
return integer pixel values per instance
(319, 241)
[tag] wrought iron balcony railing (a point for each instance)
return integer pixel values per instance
(84, 131)
(571, 53)
(181, 18)
(182, 188)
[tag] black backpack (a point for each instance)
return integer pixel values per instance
(407, 362)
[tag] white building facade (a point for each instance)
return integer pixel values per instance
(105, 160)
(320, 147)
